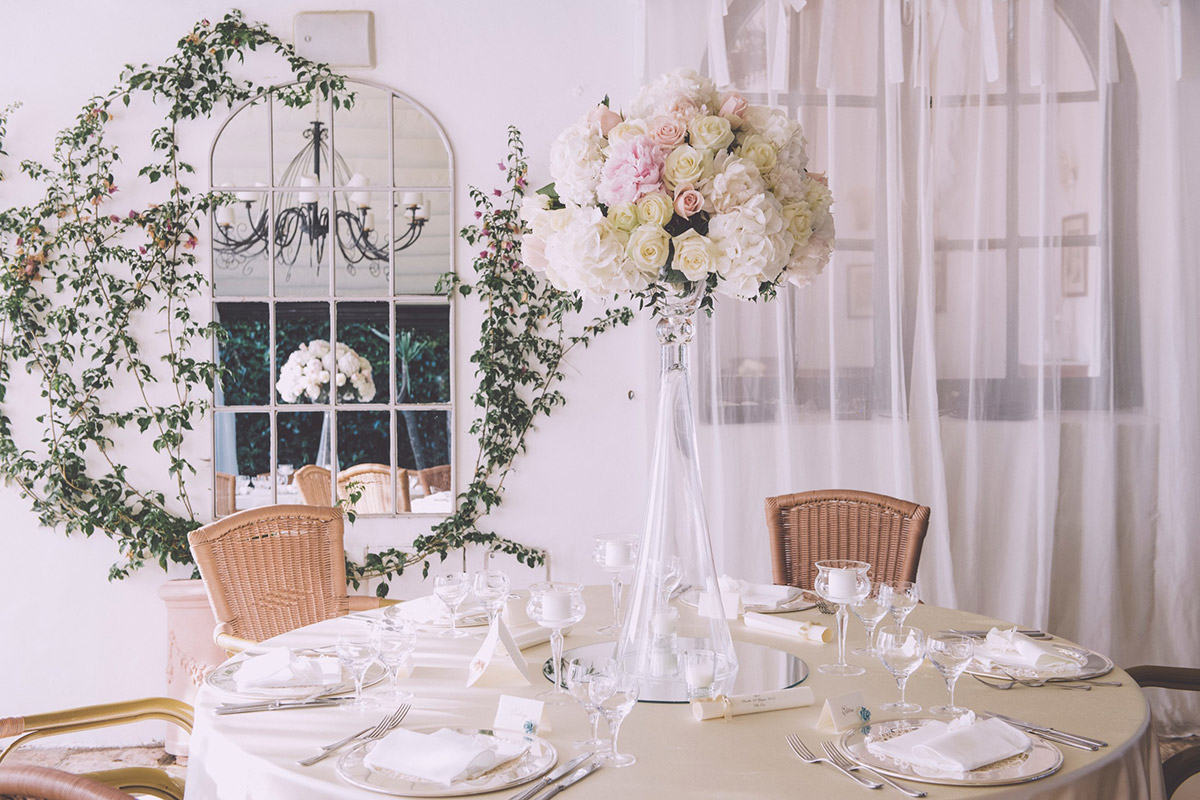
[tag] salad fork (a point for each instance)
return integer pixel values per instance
(385, 726)
(807, 756)
(840, 759)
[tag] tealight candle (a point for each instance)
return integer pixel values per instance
(665, 622)
(616, 554)
(843, 584)
(556, 606)
(700, 669)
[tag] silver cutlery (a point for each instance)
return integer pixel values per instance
(575, 777)
(843, 760)
(551, 778)
(279, 705)
(1010, 682)
(385, 726)
(1032, 634)
(807, 756)
(1072, 739)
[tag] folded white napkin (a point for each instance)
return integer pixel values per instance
(445, 756)
(429, 610)
(959, 746)
(1011, 649)
(763, 595)
(531, 637)
(280, 668)
(792, 627)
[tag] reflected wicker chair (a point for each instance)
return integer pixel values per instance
(435, 479)
(225, 494)
(314, 485)
(374, 480)
(813, 526)
(1186, 763)
(39, 782)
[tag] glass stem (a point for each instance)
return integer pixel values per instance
(453, 621)
(871, 635)
(950, 683)
(842, 621)
(616, 587)
(902, 682)
(614, 724)
(360, 675)
(556, 646)
(594, 716)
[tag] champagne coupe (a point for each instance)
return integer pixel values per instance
(395, 640)
(356, 652)
(616, 692)
(578, 676)
(901, 649)
(844, 583)
(950, 653)
(870, 610)
(902, 597)
(556, 605)
(615, 554)
(452, 588)
(491, 590)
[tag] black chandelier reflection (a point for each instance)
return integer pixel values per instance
(303, 225)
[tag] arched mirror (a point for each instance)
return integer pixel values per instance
(337, 348)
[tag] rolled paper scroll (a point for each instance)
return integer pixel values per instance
(809, 631)
(722, 707)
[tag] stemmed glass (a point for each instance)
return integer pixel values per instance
(395, 640)
(902, 597)
(870, 610)
(491, 590)
(615, 554)
(844, 583)
(356, 652)
(556, 605)
(285, 474)
(615, 691)
(950, 653)
(666, 574)
(901, 649)
(578, 676)
(452, 588)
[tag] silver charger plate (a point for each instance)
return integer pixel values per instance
(1091, 665)
(539, 759)
(798, 603)
(224, 679)
(1040, 760)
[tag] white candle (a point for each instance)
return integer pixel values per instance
(369, 221)
(225, 216)
(665, 622)
(556, 606)
(422, 211)
(359, 199)
(700, 674)
(843, 585)
(411, 199)
(616, 554)
(305, 182)
(246, 197)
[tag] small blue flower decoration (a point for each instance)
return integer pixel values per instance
(529, 727)
(865, 714)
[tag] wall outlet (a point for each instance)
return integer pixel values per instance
(336, 38)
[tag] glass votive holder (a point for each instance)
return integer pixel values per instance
(700, 673)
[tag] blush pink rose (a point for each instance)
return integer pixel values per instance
(687, 200)
(733, 106)
(667, 131)
(603, 118)
(633, 168)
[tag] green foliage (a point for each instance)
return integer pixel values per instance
(79, 270)
(524, 341)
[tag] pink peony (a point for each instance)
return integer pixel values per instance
(667, 131)
(633, 168)
(687, 200)
(733, 106)
(603, 119)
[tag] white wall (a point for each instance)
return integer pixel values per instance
(69, 636)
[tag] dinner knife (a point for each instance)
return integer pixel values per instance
(1032, 634)
(551, 778)
(576, 776)
(1072, 739)
(247, 708)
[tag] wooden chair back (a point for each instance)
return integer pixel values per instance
(44, 783)
(435, 479)
(374, 480)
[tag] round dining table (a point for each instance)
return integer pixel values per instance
(253, 756)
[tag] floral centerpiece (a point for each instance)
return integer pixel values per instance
(688, 185)
(309, 370)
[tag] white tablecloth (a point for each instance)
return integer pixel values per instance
(253, 756)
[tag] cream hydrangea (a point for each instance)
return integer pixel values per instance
(684, 93)
(588, 255)
(754, 245)
(308, 371)
(576, 159)
(734, 182)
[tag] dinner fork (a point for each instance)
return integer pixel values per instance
(842, 760)
(385, 726)
(807, 756)
(1010, 682)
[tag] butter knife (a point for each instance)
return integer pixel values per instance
(1072, 739)
(551, 778)
(576, 776)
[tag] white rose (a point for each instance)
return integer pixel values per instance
(799, 217)
(758, 148)
(686, 164)
(695, 255)
(624, 216)
(655, 208)
(341, 379)
(576, 158)
(710, 133)
(735, 182)
(628, 129)
(648, 248)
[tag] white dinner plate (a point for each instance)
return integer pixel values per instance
(798, 603)
(1091, 665)
(224, 679)
(535, 762)
(1041, 759)
(428, 612)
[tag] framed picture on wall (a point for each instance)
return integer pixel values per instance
(1074, 257)
(859, 280)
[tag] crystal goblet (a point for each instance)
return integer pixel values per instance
(901, 649)
(616, 692)
(356, 652)
(902, 598)
(490, 587)
(578, 676)
(844, 583)
(395, 640)
(615, 554)
(556, 605)
(950, 653)
(870, 610)
(452, 588)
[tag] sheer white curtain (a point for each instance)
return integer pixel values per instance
(1007, 332)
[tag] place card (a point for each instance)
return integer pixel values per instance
(522, 714)
(499, 661)
(714, 605)
(844, 712)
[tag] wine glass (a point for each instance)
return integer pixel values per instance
(615, 554)
(950, 653)
(556, 605)
(870, 610)
(901, 649)
(902, 598)
(395, 640)
(452, 588)
(491, 590)
(615, 691)
(356, 652)
(666, 574)
(844, 583)
(578, 675)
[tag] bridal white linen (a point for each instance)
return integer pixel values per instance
(956, 747)
(1011, 649)
(444, 756)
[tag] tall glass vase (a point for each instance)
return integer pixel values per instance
(675, 549)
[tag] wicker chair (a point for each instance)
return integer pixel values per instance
(435, 479)
(374, 480)
(813, 526)
(38, 782)
(225, 494)
(314, 484)
(1184, 764)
